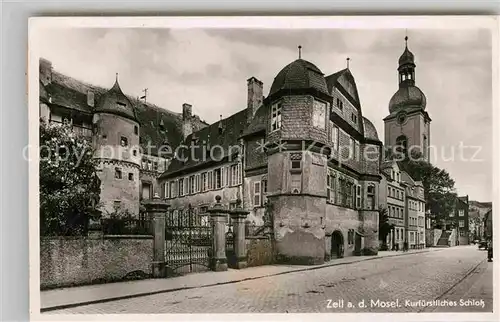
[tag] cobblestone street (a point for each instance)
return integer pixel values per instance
(394, 284)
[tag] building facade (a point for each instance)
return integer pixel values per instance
(395, 203)
(303, 154)
(127, 134)
(415, 212)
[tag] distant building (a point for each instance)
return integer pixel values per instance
(458, 221)
(415, 210)
(477, 212)
(394, 201)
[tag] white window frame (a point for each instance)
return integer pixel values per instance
(191, 184)
(165, 190)
(461, 213)
(276, 115)
(358, 196)
(204, 181)
(257, 197)
(461, 223)
(352, 143)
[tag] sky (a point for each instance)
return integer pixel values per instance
(208, 68)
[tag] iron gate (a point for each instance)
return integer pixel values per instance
(188, 242)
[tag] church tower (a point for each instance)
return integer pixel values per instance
(116, 143)
(407, 127)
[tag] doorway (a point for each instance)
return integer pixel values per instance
(337, 245)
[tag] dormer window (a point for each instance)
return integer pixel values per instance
(121, 105)
(276, 116)
(340, 104)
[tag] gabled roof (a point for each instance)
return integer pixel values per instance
(344, 79)
(224, 134)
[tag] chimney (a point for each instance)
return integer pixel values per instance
(187, 127)
(255, 97)
(45, 71)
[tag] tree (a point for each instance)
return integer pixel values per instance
(69, 185)
(440, 194)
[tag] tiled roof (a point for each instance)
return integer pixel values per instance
(407, 96)
(369, 129)
(300, 74)
(224, 133)
(259, 121)
(72, 93)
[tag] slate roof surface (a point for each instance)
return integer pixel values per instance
(370, 131)
(407, 96)
(299, 74)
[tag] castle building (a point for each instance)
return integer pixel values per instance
(408, 124)
(304, 153)
(127, 134)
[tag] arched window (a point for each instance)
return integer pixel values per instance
(402, 144)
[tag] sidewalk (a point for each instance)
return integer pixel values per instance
(76, 296)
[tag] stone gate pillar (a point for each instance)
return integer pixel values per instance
(156, 209)
(218, 217)
(238, 217)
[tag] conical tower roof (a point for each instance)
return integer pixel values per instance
(115, 101)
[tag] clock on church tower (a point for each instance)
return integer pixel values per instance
(407, 127)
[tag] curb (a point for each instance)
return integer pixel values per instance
(124, 297)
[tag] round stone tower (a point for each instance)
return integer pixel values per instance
(299, 107)
(116, 142)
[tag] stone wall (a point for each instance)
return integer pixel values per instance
(70, 261)
(259, 251)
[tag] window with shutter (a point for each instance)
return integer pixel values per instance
(358, 196)
(218, 178)
(264, 190)
(256, 194)
(210, 180)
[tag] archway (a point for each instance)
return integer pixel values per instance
(337, 250)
